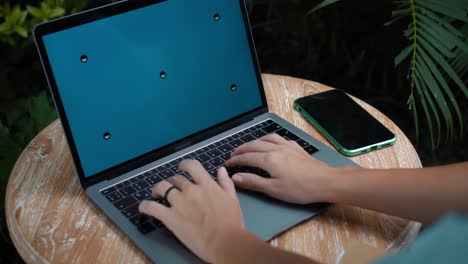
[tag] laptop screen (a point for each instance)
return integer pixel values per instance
(137, 81)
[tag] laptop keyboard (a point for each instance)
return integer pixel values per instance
(127, 194)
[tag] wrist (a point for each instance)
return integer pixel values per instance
(225, 237)
(230, 243)
(336, 181)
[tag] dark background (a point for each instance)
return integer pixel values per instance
(345, 46)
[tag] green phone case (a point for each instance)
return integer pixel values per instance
(336, 144)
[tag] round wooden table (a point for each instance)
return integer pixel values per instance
(50, 218)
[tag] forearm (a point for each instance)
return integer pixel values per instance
(240, 246)
(418, 194)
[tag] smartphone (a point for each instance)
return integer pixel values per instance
(350, 128)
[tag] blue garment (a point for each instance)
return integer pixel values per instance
(445, 242)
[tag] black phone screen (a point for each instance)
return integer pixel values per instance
(343, 119)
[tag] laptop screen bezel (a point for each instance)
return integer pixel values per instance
(117, 170)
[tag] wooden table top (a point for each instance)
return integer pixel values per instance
(50, 218)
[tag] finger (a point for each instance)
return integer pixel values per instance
(251, 159)
(196, 170)
(254, 146)
(155, 210)
(253, 182)
(295, 144)
(160, 189)
(225, 182)
(274, 138)
(180, 182)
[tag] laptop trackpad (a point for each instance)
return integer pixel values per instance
(267, 217)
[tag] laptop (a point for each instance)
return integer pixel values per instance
(141, 85)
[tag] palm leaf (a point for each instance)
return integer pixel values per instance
(321, 5)
(436, 49)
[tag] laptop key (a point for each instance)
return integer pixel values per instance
(142, 195)
(114, 196)
(125, 202)
(236, 136)
(165, 166)
(137, 178)
(139, 219)
(176, 170)
(287, 134)
(203, 158)
(247, 138)
(198, 152)
(166, 173)
(310, 149)
(126, 191)
(108, 190)
(226, 156)
(130, 211)
(208, 166)
(157, 223)
(302, 143)
(146, 227)
(191, 155)
(271, 128)
(212, 146)
(226, 148)
(248, 130)
(153, 179)
(258, 134)
(236, 143)
(140, 185)
(214, 153)
(122, 184)
(216, 162)
(213, 173)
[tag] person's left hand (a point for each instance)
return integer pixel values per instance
(202, 213)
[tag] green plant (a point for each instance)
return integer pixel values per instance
(25, 108)
(438, 52)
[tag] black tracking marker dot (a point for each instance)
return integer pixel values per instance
(107, 136)
(233, 87)
(216, 17)
(84, 58)
(162, 75)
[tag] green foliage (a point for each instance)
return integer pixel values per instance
(14, 23)
(25, 108)
(436, 48)
(19, 20)
(438, 53)
(321, 5)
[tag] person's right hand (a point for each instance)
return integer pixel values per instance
(296, 177)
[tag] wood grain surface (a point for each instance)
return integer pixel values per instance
(51, 220)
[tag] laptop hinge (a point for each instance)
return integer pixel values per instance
(146, 159)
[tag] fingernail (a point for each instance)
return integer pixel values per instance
(237, 178)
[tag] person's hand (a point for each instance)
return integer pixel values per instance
(296, 177)
(201, 213)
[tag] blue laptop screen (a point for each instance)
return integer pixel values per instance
(134, 82)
